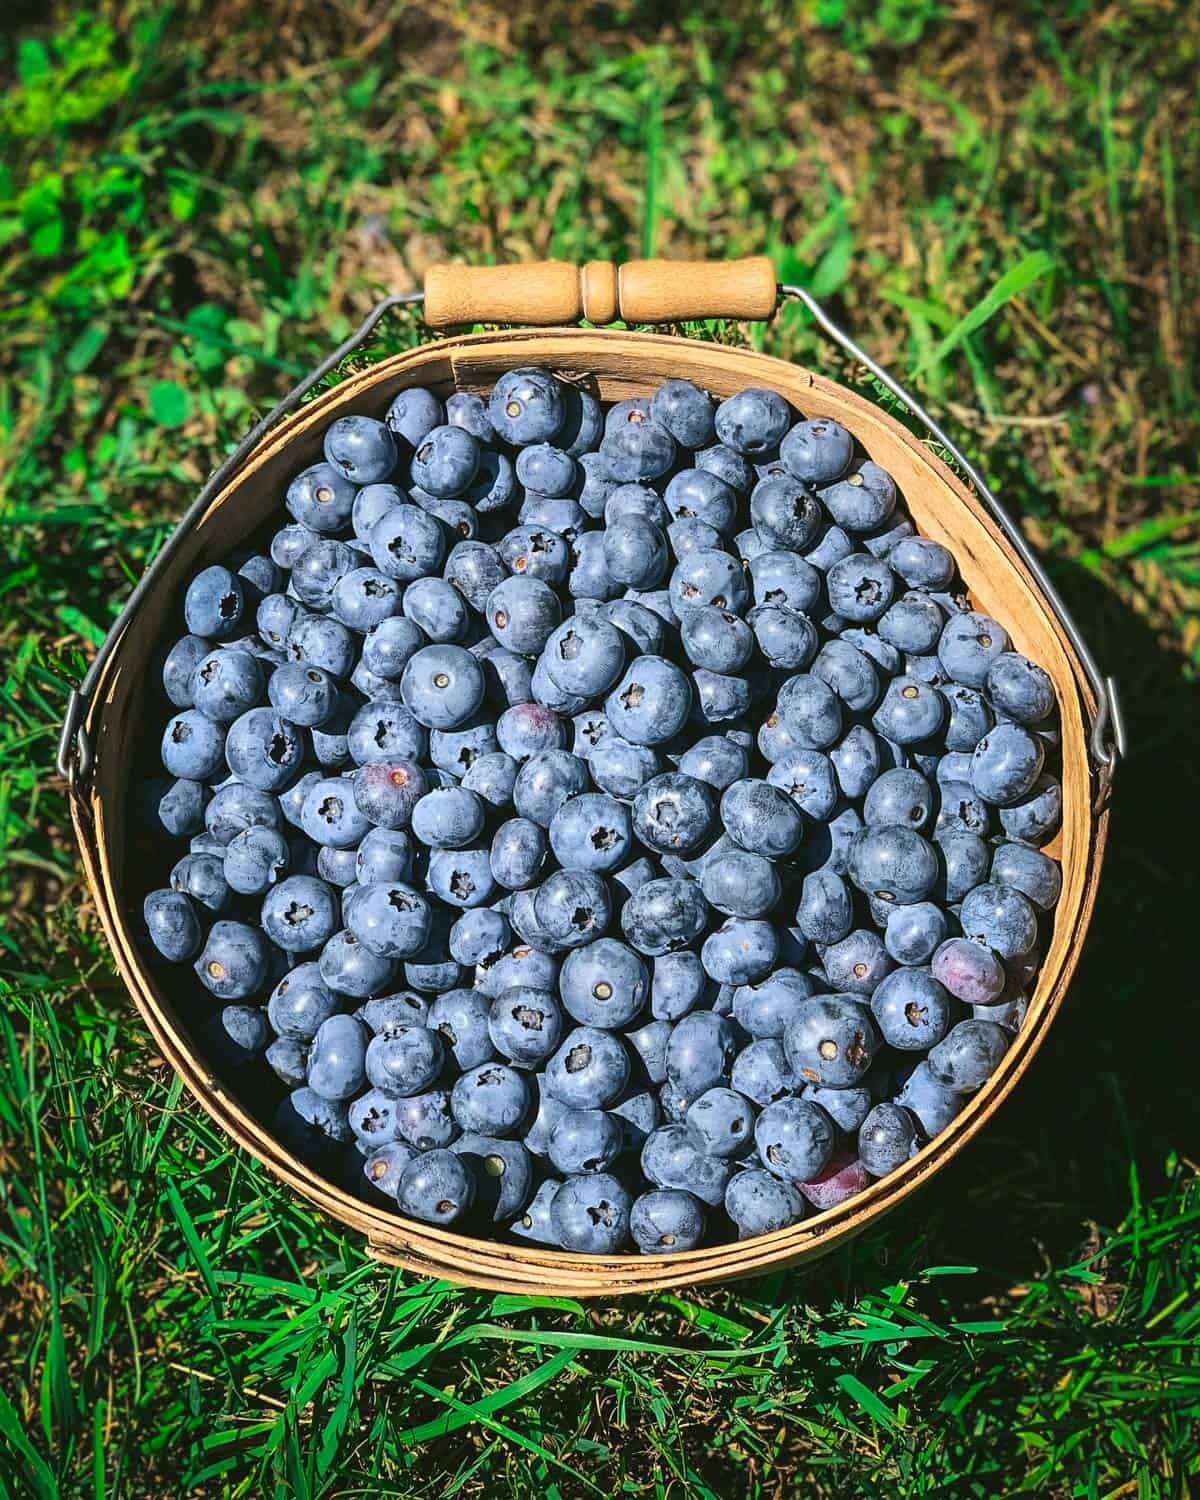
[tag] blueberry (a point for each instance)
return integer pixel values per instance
(817, 451)
(461, 877)
(826, 910)
(856, 761)
(1026, 870)
(173, 924)
(300, 1002)
(912, 1009)
(555, 513)
(361, 449)
(794, 1139)
(740, 951)
(492, 776)
(318, 641)
(741, 884)
(404, 1060)
(857, 963)
(336, 1061)
(860, 587)
(863, 500)
(700, 1053)
(1006, 764)
(708, 577)
(407, 544)
(590, 1069)
(591, 832)
(446, 461)
(810, 711)
(255, 860)
(893, 863)
(536, 552)
(1037, 816)
(970, 643)
(572, 907)
(847, 1108)
(962, 810)
(912, 623)
(351, 969)
(758, 1202)
(289, 543)
(385, 1165)
(1000, 918)
(584, 1140)
(370, 503)
(886, 1139)
(175, 809)
(721, 1122)
(753, 421)
(699, 496)
(416, 412)
(831, 1041)
(503, 1172)
(389, 919)
(526, 406)
(321, 498)
(673, 813)
(765, 1009)
(492, 1099)
(535, 1224)
(436, 1187)
(717, 760)
(968, 1055)
(193, 746)
(442, 686)
(761, 818)
(214, 603)
(518, 853)
(922, 563)
(662, 916)
(969, 718)
(691, 535)
(1019, 688)
(448, 818)
(679, 982)
(590, 1213)
(233, 963)
(685, 411)
(913, 933)
(671, 1158)
(525, 1026)
(479, 935)
(971, 972)
(932, 1104)
(202, 877)
(178, 666)
(911, 711)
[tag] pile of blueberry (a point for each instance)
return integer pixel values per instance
(612, 826)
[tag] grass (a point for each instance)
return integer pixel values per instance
(196, 202)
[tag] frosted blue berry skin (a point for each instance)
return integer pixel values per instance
(361, 449)
(794, 1139)
(687, 413)
(818, 450)
(753, 421)
(886, 1139)
(436, 1187)
(526, 406)
(1006, 763)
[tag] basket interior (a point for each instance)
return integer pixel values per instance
(612, 365)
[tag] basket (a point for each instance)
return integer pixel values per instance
(107, 714)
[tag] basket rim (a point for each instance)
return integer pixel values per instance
(484, 1262)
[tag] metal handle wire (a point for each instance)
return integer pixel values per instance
(74, 757)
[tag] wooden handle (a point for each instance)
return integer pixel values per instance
(640, 291)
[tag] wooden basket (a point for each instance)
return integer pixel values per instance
(613, 365)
